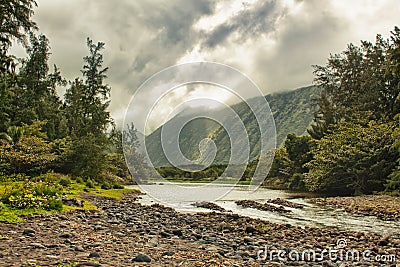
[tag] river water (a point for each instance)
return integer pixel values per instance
(311, 215)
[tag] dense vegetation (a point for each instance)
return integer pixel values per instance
(353, 146)
(46, 140)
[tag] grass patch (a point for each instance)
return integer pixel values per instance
(112, 193)
(7, 215)
(11, 189)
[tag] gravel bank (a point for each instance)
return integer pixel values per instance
(126, 233)
(382, 206)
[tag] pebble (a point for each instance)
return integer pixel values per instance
(94, 254)
(142, 258)
(66, 235)
(29, 232)
(79, 248)
(37, 245)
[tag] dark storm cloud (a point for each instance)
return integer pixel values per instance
(302, 41)
(174, 34)
(258, 19)
(266, 40)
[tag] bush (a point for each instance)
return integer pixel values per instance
(118, 186)
(29, 194)
(105, 186)
(65, 181)
(55, 204)
(89, 183)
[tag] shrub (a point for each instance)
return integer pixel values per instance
(105, 185)
(65, 181)
(118, 186)
(29, 194)
(89, 183)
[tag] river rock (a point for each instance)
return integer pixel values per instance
(284, 202)
(383, 241)
(208, 205)
(142, 258)
(260, 206)
(94, 254)
(29, 232)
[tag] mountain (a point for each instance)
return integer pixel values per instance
(291, 111)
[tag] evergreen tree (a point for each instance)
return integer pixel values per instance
(393, 74)
(36, 95)
(134, 159)
(88, 118)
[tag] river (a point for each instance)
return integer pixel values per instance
(311, 215)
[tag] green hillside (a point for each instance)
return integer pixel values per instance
(292, 114)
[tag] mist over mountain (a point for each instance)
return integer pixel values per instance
(205, 141)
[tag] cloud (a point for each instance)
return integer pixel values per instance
(274, 42)
(259, 19)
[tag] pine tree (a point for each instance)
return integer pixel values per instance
(87, 101)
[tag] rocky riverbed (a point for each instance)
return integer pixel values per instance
(261, 206)
(126, 233)
(382, 206)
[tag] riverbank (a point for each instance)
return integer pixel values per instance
(382, 206)
(126, 233)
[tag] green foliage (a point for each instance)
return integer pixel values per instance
(355, 82)
(116, 165)
(299, 151)
(211, 172)
(35, 96)
(31, 155)
(281, 166)
(393, 73)
(64, 181)
(88, 157)
(296, 182)
(105, 185)
(89, 183)
(323, 117)
(15, 21)
(88, 118)
(6, 215)
(354, 157)
(29, 194)
(288, 167)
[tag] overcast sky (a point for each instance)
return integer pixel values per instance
(273, 42)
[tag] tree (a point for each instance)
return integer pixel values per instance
(354, 82)
(355, 157)
(36, 96)
(323, 117)
(88, 118)
(25, 150)
(15, 20)
(299, 151)
(393, 74)
(15, 23)
(134, 159)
